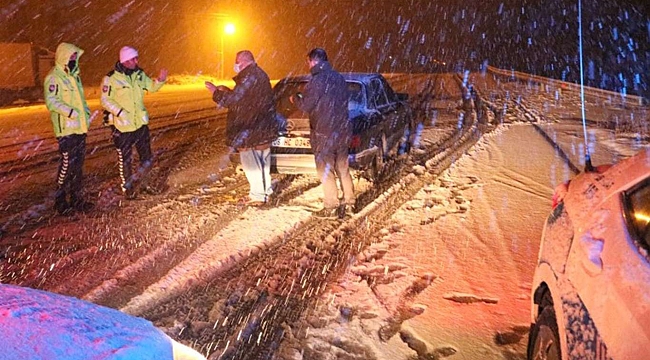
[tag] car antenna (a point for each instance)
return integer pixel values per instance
(588, 166)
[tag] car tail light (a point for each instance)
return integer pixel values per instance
(355, 142)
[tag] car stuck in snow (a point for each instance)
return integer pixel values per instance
(383, 125)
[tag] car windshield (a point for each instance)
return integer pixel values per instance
(288, 110)
(638, 201)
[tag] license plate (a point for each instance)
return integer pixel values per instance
(292, 142)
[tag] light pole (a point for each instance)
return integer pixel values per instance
(228, 29)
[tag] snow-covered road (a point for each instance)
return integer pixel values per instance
(449, 274)
(473, 233)
(26, 132)
(452, 273)
(475, 230)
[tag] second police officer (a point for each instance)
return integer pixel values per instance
(123, 99)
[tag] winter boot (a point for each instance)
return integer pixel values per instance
(327, 213)
(129, 191)
(150, 190)
(62, 207)
(347, 211)
(81, 205)
(129, 194)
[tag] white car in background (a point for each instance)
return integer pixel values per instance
(591, 288)
(41, 325)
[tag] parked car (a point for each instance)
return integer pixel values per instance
(43, 325)
(591, 288)
(383, 125)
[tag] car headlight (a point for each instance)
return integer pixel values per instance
(184, 352)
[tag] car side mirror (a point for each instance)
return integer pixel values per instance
(402, 96)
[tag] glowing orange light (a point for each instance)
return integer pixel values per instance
(229, 29)
(642, 217)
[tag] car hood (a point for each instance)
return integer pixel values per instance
(589, 189)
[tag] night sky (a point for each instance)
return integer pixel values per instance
(184, 36)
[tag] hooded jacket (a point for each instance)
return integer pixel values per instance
(123, 97)
(325, 99)
(251, 113)
(64, 94)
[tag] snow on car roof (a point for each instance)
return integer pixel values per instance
(348, 76)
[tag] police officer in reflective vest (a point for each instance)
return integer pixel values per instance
(123, 99)
(70, 115)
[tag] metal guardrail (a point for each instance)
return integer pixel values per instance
(611, 96)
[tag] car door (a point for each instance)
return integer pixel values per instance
(608, 266)
(371, 131)
(359, 114)
(388, 110)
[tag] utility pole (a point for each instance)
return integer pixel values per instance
(225, 28)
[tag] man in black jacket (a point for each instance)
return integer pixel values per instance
(250, 124)
(325, 99)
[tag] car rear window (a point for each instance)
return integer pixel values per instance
(284, 90)
(356, 95)
(638, 208)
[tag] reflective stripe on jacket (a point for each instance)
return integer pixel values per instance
(123, 98)
(64, 95)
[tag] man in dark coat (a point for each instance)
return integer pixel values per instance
(250, 124)
(325, 99)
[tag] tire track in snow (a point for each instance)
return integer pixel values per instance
(521, 183)
(267, 308)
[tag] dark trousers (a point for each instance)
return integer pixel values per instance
(124, 143)
(70, 174)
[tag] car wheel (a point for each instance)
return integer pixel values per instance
(377, 165)
(405, 141)
(544, 340)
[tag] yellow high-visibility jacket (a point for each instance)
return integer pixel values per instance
(64, 94)
(123, 97)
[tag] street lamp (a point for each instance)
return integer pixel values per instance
(228, 29)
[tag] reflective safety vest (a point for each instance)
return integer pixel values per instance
(123, 98)
(64, 94)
